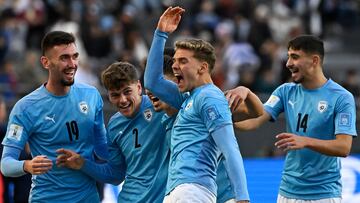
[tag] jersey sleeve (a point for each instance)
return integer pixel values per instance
(113, 171)
(233, 160)
(154, 79)
(11, 166)
(100, 146)
(345, 115)
(275, 105)
(18, 129)
(214, 110)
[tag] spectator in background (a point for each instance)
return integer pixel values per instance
(4, 35)
(352, 82)
(8, 80)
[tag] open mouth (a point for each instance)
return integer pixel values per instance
(179, 78)
(69, 72)
(124, 107)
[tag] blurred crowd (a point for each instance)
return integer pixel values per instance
(250, 38)
(249, 35)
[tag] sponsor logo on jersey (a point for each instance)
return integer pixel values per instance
(15, 132)
(189, 105)
(50, 118)
(148, 114)
(272, 101)
(84, 108)
(322, 106)
(292, 104)
(212, 113)
(345, 119)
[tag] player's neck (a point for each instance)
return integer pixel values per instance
(205, 79)
(314, 82)
(57, 89)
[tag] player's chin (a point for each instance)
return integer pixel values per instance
(68, 82)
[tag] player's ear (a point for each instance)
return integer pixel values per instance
(138, 85)
(316, 59)
(204, 67)
(45, 62)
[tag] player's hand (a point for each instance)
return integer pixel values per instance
(236, 96)
(170, 19)
(289, 141)
(69, 159)
(38, 165)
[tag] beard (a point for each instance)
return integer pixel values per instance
(67, 82)
(299, 80)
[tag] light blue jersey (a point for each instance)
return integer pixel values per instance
(320, 113)
(203, 128)
(194, 152)
(224, 192)
(168, 122)
(140, 143)
(48, 122)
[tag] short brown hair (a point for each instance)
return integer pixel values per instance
(203, 50)
(309, 44)
(55, 38)
(119, 74)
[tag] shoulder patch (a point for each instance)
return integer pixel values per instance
(212, 113)
(345, 119)
(272, 101)
(15, 132)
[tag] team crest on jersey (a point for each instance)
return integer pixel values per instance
(272, 101)
(148, 114)
(189, 105)
(84, 108)
(322, 106)
(15, 132)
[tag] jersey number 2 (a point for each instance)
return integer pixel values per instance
(302, 122)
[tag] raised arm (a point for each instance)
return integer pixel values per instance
(154, 78)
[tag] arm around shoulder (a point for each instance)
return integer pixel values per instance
(252, 123)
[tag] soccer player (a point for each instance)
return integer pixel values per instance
(199, 130)
(320, 116)
(139, 154)
(60, 113)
